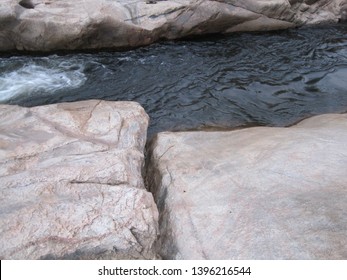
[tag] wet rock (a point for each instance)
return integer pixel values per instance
(45, 25)
(256, 193)
(71, 184)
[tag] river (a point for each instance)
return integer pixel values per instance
(217, 82)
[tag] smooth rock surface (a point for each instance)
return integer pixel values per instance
(47, 25)
(256, 193)
(71, 184)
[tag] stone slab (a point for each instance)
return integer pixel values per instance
(71, 185)
(48, 25)
(255, 193)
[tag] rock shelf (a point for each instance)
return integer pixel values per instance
(72, 187)
(47, 25)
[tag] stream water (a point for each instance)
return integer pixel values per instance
(271, 79)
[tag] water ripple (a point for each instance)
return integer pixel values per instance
(274, 78)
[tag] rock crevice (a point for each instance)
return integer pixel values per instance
(72, 187)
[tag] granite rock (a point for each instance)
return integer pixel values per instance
(255, 193)
(71, 185)
(48, 25)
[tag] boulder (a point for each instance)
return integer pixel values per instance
(255, 193)
(71, 184)
(47, 25)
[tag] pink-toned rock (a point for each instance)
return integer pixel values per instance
(256, 193)
(46, 25)
(71, 184)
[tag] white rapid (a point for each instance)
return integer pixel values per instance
(40, 76)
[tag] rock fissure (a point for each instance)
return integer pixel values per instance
(119, 183)
(264, 181)
(242, 191)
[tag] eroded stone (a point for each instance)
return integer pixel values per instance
(71, 184)
(256, 193)
(44, 25)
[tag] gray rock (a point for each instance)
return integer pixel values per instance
(256, 193)
(46, 25)
(71, 184)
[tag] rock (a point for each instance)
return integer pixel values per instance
(46, 25)
(255, 193)
(71, 184)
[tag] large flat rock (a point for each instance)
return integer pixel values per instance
(71, 184)
(47, 25)
(256, 193)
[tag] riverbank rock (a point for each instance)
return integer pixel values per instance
(256, 193)
(47, 25)
(71, 184)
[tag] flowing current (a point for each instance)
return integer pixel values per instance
(271, 79)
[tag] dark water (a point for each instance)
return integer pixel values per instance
(272, 79)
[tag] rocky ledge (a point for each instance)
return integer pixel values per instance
(48, 25)
(257, 193)
(71, 185)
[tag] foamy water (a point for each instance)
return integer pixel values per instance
(40, 76)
